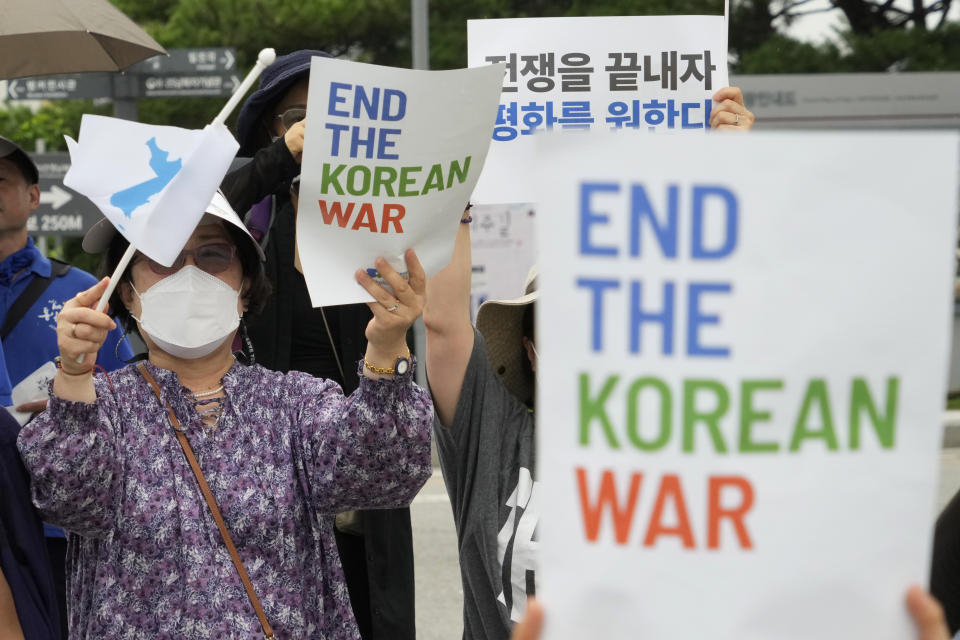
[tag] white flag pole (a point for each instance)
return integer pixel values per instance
(264, 59)
(114, 279)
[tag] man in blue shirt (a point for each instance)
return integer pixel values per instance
(30, 344)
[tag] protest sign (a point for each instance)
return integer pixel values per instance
(743, 343)
(502, 251)
(655, 73)
(132, 170)
(390, 159)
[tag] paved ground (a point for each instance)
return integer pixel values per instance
(439, 594)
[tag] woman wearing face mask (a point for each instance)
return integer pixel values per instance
(279, 452)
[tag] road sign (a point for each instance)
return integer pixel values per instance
(62, 211)
(192, 85)
(194, 60)
(209, 71)
(63, 87)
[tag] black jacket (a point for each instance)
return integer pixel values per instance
(23, 554)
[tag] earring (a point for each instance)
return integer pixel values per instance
(116, 348)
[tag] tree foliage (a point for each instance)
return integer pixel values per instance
(876, 36)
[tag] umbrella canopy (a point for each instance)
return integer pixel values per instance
(40, 37)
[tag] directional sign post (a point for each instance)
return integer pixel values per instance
(202, 60)
(185, 73)
(62, 211)
(187, 85)
(64, 87)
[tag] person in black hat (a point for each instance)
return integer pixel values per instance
(376, 547)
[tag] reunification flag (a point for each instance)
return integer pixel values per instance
(390, 159)
(740, 411)
(617, 73)
(152, 182)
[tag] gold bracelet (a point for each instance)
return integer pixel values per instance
(384, 371)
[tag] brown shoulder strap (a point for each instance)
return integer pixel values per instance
(212, 503)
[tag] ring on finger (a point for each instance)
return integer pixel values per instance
(736, 120)
(394, 307)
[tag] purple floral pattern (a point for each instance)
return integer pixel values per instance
(146, 560)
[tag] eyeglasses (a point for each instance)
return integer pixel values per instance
(213, 258)
(291, 116)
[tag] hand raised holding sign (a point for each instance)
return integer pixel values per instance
(393, 313)
(730, 112)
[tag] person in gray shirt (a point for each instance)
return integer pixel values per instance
(482, 381)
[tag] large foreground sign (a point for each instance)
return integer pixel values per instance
(739, 416)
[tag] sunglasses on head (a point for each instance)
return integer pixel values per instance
(213, 258)
(292, 116)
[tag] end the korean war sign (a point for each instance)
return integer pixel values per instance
(739, 413)
(655, 73)
(390, 159)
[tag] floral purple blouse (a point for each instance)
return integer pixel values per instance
(146, 560)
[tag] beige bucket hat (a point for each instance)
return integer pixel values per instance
(501, 323)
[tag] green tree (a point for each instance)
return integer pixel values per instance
(875, 36)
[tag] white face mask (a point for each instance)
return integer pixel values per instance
(190, 313)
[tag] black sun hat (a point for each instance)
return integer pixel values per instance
(275, 80)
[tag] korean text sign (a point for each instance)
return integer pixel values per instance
(739, 415)
(390, 159)
(654, 73)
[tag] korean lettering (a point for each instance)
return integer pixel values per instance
(769, 98)
(511, 62)
(536, 115)
(541, 66)
(572, 76)
(668, 70)
(574, 114)
(691, 69)
(505, 128)
(623, 71)
(656, 113)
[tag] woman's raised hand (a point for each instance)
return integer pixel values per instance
(731, 113)
(81, 330)
(393, 313)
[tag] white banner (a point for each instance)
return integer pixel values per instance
(502, 247)
(152, 182)
(655, 73)
(739, 412)
(390, 159)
